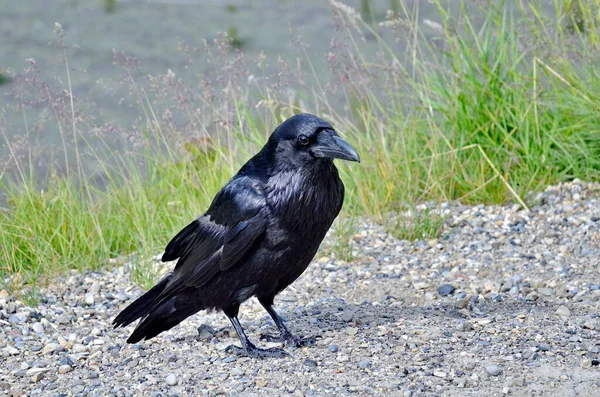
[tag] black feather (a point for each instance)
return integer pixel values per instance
(141, 305)
(179, 242)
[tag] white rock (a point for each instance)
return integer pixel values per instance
(563, 311)
(493, 370)
(50, 347)
(171, 380)
(13, 351)
(33, 371)
(95, 288)
(38, 328)
(89, 298)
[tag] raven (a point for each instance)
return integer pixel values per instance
(257, 237)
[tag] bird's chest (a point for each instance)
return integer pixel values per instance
(306, 205)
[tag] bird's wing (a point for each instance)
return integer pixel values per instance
(218, 240)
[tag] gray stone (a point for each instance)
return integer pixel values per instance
(63, 319)
(518, 381)
(95, 288)
(206, 331)
(545, 291)
(347, 316)
(464, 326)
(544, 347)
(493, 370)
(66, 360)
(563, 311)
(445, 289)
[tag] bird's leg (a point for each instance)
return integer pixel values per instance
(248, 349)
(285, 336)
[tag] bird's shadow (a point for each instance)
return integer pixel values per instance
(335, 314)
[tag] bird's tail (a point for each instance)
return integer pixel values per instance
(163, 316)
(142, 305)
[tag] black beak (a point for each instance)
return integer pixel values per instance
(332, 146)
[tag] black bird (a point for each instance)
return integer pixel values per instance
(258, 236)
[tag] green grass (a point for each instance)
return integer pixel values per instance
(72, 226)
(484, 115)
(343, 231)
(416, 225)
(109, 5)
(235, 40)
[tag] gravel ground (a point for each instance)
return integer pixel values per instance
(505, 302)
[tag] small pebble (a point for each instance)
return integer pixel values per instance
(464, 326)
(63, 319)
(95, 287)
(586, 363)
(563, 311)
(66, 361)
(493, 370)
(13, 318)
(333, 348)
(445, 289)
(89, 298)
(364, 364)
(206, 331)
(347, 316)
(37, 377)
(38, 328)
(544, 347)
(13, 351)
(171, 380)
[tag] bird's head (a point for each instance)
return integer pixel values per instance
(306, 138)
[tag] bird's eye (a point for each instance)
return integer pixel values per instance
(303, 140)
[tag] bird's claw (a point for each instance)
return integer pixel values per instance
(290, 340)
(255, 352)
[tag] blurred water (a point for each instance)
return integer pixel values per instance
(152, 31)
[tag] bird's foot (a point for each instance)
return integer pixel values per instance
(254, 352)
(290, 340)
